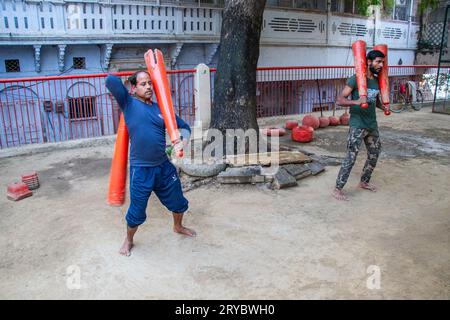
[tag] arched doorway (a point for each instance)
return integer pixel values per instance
(83, 115)
(20, 117)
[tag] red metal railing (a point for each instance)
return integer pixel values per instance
(294, 90)
(58, 108)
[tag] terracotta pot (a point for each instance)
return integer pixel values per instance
(291, 124)
(274, 132)
(311, 120)
(324, 122)
(302, 135)
(334, 121)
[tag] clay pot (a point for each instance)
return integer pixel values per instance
(334, 121)
(302, 135)
(311, 120)
(345, 118)
(308, 128)
(324, 122)
(291, 124)
(274, 132)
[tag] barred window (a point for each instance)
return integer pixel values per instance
(12, 65)
(82, 108)
(79, 63)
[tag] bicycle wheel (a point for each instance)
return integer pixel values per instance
(417, 105)
(400, 105)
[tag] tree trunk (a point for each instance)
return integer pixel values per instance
(234, 104)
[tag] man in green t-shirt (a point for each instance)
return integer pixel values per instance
(363, 125)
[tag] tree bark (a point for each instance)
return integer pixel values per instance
(234, 104)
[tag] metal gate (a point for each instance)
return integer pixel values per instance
(441, 101)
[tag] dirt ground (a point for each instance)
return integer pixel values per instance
(252, 243)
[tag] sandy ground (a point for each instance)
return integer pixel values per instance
(252, 243)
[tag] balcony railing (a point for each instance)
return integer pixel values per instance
(135, 21)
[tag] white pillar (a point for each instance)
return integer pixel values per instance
(179, 21)
(202, 89)
(37, 57)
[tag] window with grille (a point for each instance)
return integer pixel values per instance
(79, 63)
(12, 65)
(82, 108)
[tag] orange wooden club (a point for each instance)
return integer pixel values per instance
(157, 70)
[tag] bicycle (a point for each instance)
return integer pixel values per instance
(409, 97)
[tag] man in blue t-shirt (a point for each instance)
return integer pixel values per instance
(363, 125)
(150, 169)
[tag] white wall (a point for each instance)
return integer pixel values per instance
(315, 56)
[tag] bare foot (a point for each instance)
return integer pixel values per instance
(126, 248)
(367, 186)
(339, 195)
(186, 231)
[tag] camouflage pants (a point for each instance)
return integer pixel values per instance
(354, 140)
